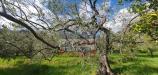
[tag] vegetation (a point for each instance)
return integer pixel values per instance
(143, 64)
(58, 37)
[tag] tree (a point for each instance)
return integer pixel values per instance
(93, 24)
(147, 11)
(148, 24)
(65, 18)
(22, 43)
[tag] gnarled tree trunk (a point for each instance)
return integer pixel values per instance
(104, 68)
(104, 65)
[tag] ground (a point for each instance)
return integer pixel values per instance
(65, 65)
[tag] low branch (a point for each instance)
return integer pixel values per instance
(9, 17)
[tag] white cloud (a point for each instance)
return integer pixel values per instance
(85, 11)
(104, 7)
(31, 13)
(121, 20)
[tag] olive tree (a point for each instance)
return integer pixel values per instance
(64, 16)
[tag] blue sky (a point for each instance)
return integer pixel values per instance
(115, 7)
(114, 4)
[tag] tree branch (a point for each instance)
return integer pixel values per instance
(3, 7)
(9, 17)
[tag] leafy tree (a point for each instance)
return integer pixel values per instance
(72, 20)
(148, 24)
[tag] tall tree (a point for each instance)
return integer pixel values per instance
(66, 16)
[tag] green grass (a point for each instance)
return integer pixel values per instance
(58, 66)
(64, 65)
(141, 65)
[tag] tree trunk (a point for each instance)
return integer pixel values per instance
(104, 68)
(150, 52)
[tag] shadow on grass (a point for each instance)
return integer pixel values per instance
(135, 69)
(35, 69)
(146, 55)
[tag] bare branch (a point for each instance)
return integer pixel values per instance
(3, 7)
(9, 17)
(93, 6)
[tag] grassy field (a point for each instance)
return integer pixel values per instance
(141, 65)
(60, 65)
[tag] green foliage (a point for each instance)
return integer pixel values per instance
(148, 24)
(120, 1)
(153, 4)
(126, 43)
(149, 17)
(140, 5)
(22, 43)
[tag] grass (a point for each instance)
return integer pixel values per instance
(58, 66)
(64, 65)
(141, 65)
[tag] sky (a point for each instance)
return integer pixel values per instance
(118, 15)
(115, 7)
(114, 13)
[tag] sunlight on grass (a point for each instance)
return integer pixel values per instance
(58, 66)
(141, 65)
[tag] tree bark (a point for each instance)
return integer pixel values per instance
(105, 68)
